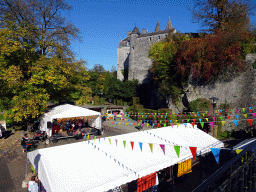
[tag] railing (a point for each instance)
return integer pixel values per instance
(239, 174)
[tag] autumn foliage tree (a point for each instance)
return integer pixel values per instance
(36, 64)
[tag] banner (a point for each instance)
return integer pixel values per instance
(184, 168)
(216, 154)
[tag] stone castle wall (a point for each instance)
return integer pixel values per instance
(122, 60)
(139, 61)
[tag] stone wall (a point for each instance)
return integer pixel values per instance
(139, 61)
(239, 93)
(122, 60)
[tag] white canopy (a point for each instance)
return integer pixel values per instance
(104, 164)
(66, 111)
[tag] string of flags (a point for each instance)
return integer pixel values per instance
(216, 153)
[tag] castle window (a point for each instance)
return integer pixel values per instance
(158, 37)
(149, 38)
(133, 48)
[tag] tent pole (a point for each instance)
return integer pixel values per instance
(26, 168)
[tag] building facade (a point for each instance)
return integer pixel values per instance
(132, 52)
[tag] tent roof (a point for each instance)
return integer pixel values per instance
(67, 110)
(103, 164)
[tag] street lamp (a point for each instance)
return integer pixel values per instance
(214, 103)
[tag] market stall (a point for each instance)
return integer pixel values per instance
(106, 163)
(69, 111)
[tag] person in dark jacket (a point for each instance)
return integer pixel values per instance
(24, 142)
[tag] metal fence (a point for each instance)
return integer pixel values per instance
(239, 174)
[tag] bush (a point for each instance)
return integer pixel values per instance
(200, 104)
(96, 100)
(135, 100)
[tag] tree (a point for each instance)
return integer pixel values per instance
(98, 68)
(223, 14)
(50, 35)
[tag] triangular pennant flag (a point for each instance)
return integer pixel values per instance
(213, 118)
(177, 149)
(151, 147)
(109, 141)
(245, 115)
(193, 124)
(163, 148)
(91, 136)
(237, 116)
(141, 146)
(221, 118)
(124, 142)
(94, 138)
(203, 114)
(171, 125)
(187, 120)
(223, 122)
(200, 120)
(253, 114)
(178, 125)
(193, 151)
(99, 138)
(88, 136)
(211, 123)
(116, 142)
(238, 151)
(202, 124)
(216, 154)
(228, 117)
(194, 120)
(132, 144)
(236, 122)
(185, 125)
(250, 121)
(206, 119)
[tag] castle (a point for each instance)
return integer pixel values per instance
(132, 52)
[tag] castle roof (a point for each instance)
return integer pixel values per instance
(169, 25)
(136, 30)
(157, 27)
(157, 32)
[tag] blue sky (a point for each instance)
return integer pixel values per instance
(103, 23)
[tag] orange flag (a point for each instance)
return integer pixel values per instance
(194, 120)
(193, 151)
(99, 138)
(193, 124)
(132, 144)
(228, 117)
(250, 121)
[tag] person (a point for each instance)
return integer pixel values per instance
(33, 184)
(68, 127)
(80, 125)
(24, 142)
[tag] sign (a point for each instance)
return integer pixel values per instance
(184, 168)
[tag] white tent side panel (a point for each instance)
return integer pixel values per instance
(43, 124)
(95, 123)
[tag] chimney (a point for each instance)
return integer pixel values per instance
(143, 31)
(129, 33)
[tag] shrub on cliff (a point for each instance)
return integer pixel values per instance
(200, 104)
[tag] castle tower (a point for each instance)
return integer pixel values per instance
(157, 27)
(169, 25)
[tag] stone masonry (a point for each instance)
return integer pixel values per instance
(132, 53)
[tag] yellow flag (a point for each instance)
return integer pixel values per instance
(206, 119)
(192, 112)
(119, 123)
(177, 125)
(203, 114)
(239, 151)
(151, 147)
(223, 122)
(245, 115)
(243, 109)
(147, 124)
(109, 141)
(126, 123)
(176, 121)
(88, 136)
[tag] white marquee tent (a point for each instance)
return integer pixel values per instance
(66, 111)
(104, 164)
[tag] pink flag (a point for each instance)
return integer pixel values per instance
(163, 148)
(213, 118)
(253, 114)
(211, 123)
(116, 141)
(172, 125)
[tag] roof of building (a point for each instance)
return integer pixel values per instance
(136, 31)
(169, 25)
(157, 27)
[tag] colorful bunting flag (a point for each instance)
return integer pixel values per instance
(200, 120)
(216, 154)
(140, 146)
(124, 142)
(193, 151)
(185, 125)
(202, 124)
(223, 122)
(193, 124)
(99, 139)
(151, 147)
(206, 119)
(177, 150)
(237, 116)
(250, 121)
(162, 147)
(221, 118)
(132, 144)
(236, 122)
(238, 151)
(245, 115)
(211, 123)
(228, 117)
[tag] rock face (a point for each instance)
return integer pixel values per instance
(239, 93)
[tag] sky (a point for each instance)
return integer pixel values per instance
(103, 23)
